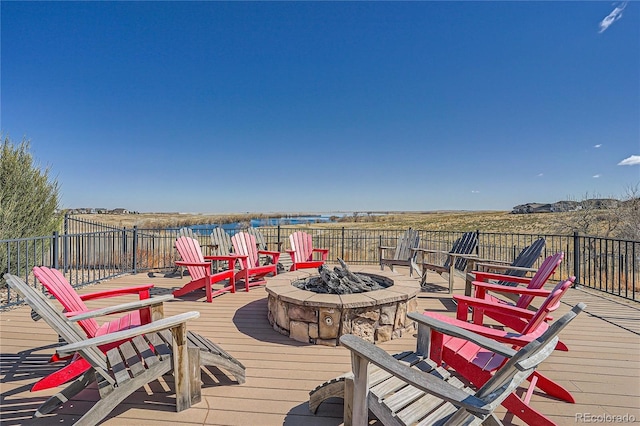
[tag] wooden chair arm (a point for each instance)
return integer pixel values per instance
(509, 289)
(425, 382)
(497, 336)
(465, 302)
(504, 267)
(142, 290)
(456, 331)
(482, 276)
(124, 307)
(227, 257)
(183, 263)
(269, 252)
(152, 327)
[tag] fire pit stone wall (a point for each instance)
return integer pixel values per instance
(308, 317)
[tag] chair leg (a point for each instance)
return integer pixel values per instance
(66, 394)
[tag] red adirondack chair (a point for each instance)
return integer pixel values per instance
(302, 252)
(533, 289)
(199, 268)
(73, 303)
(251, 272)
(478, 365)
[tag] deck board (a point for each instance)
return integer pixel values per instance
(602, 368)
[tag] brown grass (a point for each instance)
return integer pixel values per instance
(485, 221)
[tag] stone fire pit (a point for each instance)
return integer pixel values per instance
(375, 316)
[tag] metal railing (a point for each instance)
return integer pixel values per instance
(89, 252)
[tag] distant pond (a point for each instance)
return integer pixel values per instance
(273, 221)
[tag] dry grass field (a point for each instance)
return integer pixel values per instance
(485, 221)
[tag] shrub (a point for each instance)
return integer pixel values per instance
(28, 199)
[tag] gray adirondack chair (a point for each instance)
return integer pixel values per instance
(456, 259)
(404, 253)
(408, 388)
(145, 354)
(220, 246)
(521, 265)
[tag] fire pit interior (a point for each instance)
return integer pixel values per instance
(361, 300)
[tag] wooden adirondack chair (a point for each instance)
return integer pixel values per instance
(478, 365)
(302, 251)
(456, 258)
(143, 354)
(220, 242)
(520, 267)
(199, 268)
(524, 296)
(251, 272)
(404, 253)
(408, 388)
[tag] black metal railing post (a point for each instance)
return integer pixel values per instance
(54, 250)
(135, 251)
(278, 243)
(65, 244)
(342, 244)
(576, 258)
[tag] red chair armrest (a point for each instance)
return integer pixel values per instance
(268, 252)
(482, 276)
(141, 290)
(508, 289)
(183, 263)
(226, 257)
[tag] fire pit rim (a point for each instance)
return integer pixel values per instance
(403, 288)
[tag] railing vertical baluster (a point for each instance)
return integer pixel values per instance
(55, 250)
(576, 258)
(135, 247)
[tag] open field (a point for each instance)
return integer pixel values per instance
(485, 221)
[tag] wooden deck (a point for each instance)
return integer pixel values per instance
(602, 368)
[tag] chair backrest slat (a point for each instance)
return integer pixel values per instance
(56, 320)
(302, 244)
(189, 249)
(525, 259)
(550, 304)
(541, 276)
(221, 242)
(466, 244)
(57, 285)
(406, 242)
(245, 244)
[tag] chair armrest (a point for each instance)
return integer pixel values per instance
(457, 331)
(140, 289)
(269, 252)
(426, 382)
(228, 257)
(505, 267)
(275, 255)
(124, 307)
(482, 276)
(183, 263)
(465, 302)
(508, 337)
(159, 325)
(508, 289)
(321, 250)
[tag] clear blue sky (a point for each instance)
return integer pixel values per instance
(217, 107)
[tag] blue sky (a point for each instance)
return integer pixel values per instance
(219, 107)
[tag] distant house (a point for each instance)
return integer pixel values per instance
(119, 211)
